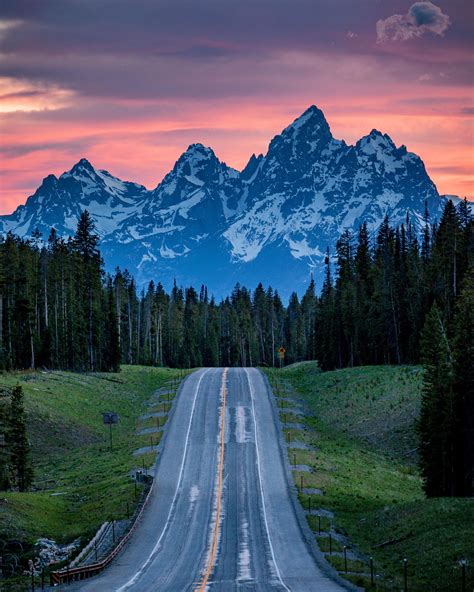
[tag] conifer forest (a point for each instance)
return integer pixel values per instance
(392, 298)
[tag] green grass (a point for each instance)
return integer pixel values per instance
(353, 565)
(325, 546)
(314, 523)
(71, 453)
(361, 423)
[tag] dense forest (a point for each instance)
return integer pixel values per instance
(56, 305)
(59, 309)
(392, 298)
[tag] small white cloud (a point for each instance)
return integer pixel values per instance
(422, 17)
(7, 24)
(351, 34)
(22, 95)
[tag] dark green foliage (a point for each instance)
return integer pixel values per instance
(446, 425)
(17, 442)
(463, 386)
(438, 420)
(56, 311)
(373, 311)
(4, 450)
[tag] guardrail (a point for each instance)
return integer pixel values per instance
(70, 574)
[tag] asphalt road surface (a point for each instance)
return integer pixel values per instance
(220, 516)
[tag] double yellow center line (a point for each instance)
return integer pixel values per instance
(202, 585)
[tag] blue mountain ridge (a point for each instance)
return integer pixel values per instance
(207, 223)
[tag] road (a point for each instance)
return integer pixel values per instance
(220, 516)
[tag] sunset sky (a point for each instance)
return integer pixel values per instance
(130, 84)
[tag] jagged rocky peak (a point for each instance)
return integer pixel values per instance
(379, 148)
(376, 141)
(251, 167)
(305, 138)
(49, 182)
(311, 122)
(80, 168)
(198, 164)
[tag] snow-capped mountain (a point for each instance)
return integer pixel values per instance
(310, 187)
(272, 222)
(59, 201)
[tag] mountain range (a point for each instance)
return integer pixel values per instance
(206, 222)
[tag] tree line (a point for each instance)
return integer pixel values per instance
(59, 309)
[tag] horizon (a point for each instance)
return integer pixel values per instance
(231, 86)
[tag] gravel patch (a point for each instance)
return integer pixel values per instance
(144, 450)
(320, 511)
(302, 468)
(298, 445)
(150, 415)
(313, 491)
(294, 426)
(144, 431)
(292, 410)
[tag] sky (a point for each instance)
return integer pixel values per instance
(129, 85)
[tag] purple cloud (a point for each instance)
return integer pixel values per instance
(422, 17)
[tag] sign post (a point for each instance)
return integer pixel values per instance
(282, 351)
(110, 418)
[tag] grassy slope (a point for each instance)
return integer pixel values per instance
(71, 453)
(362, 426)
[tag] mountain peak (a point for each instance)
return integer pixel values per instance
(376, 141)
(198, 150)
(250, 168)
(82, 165)
(312, 119)
(309, 133)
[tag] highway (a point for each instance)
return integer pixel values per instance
(220, 516)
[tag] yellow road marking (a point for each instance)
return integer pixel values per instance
(203, 584)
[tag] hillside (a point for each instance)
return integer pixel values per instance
(361, 424)
(75, 470)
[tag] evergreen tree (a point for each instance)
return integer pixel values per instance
(308, 312)
(437, 423)
(111, 352)
(4, 450)
(326, 322)
(463, 384)
(17, 441)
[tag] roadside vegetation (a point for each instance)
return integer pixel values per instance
(360, 426)
(79, 482)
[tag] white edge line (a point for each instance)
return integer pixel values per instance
(261, 486)
(145, 565)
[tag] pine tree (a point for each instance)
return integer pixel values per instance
(426, 242)
(111, 354)
(17, 441)
(4, 450)
(463, 382)
(88, 275)
(308, 312)
(437, 423)
(326, 322)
